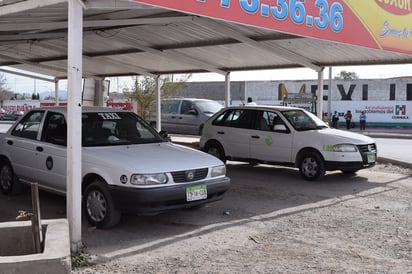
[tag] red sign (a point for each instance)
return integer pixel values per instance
(369, 23)
(120, 105)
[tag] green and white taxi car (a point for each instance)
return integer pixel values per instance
(285, 136)
(126, 165)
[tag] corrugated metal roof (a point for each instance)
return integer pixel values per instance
(124, 38)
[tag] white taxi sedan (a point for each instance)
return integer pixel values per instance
(285, 136)
(126, 165)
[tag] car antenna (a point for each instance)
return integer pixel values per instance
(241, 100)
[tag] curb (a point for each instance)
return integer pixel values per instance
(384, 160)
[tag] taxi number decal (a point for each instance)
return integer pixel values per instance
(109, 116)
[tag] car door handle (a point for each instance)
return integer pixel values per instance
(255, 136)
(10, 142)
(39, 149)
(220, 132)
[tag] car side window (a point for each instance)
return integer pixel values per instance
(29, 126)
(170, 106)
(188, 108)
(239, 118)
(55, 129)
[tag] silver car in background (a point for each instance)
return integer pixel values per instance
(187, 115)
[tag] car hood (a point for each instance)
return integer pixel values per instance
(343, 136)
(150, 158)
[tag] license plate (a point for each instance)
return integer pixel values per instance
(195, 193)
(371, 157)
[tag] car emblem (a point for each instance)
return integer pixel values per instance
(190, 175)
(123, 179)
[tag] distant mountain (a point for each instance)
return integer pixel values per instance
(45, 94)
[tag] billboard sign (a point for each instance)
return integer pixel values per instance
(379, 24)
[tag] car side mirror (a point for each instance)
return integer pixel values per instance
(165, 136)
(192, 112)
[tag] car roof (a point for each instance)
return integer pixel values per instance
(263, 107)
(189, 99)
(63, 109)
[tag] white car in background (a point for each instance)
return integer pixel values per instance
(126, 165)
(285, 136)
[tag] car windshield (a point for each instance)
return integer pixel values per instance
(116, 128)
(303, 120)
(208, 107)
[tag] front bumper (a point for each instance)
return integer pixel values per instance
(160, 199)
(367, 161)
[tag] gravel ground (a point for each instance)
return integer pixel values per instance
(365, 232)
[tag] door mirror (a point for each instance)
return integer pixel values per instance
(165, 135)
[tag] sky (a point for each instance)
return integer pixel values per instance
(21, 84)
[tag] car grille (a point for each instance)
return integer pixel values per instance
(189, 175)
(367, 148)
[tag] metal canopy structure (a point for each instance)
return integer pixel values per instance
(123, 38)
(71, 39)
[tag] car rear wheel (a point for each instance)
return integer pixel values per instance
(9, 183)
(99, 206)
(311, 166)
(216, 149)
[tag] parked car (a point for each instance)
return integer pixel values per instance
(186, 115)
(11, 115)
(285, 136)
(126, 165)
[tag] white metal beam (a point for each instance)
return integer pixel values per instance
(28, 75)
(278, 50)
(103, 60)
(27, 5)
(170, 54)
(94, 23)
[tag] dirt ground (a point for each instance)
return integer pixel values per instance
(359, 224)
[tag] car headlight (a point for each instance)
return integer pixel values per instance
(148, 179)
(218, 171)
(345, 148)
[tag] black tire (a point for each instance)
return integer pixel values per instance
(99, 206)
(216, 149)
(9, 183)
(311, 166)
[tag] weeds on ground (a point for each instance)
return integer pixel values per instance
(81, 258)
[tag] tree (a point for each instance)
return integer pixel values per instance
(143, 91)
(5, 93)
(346, 75)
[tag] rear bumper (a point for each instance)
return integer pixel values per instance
(159, 199)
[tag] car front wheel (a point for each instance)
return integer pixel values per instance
(311, 166)
(216, 149)
(99, 206)
(9, 183)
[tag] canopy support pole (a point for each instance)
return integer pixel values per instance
(227, 89)
(74, 122)
(319, 103)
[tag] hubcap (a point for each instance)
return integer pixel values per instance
(96, 206)
(309, 167)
